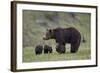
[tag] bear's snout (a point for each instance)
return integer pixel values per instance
(44, 38)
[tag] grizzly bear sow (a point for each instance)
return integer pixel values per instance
(65, 35)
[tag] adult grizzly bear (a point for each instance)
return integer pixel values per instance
(65, 35)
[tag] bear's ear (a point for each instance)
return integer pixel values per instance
(51, 31)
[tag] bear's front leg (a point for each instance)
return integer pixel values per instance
(60, 48)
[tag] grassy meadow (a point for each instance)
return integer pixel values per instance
(35, 24)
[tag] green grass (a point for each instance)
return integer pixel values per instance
(83, 53)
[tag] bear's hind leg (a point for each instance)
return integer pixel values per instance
(74, 47)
